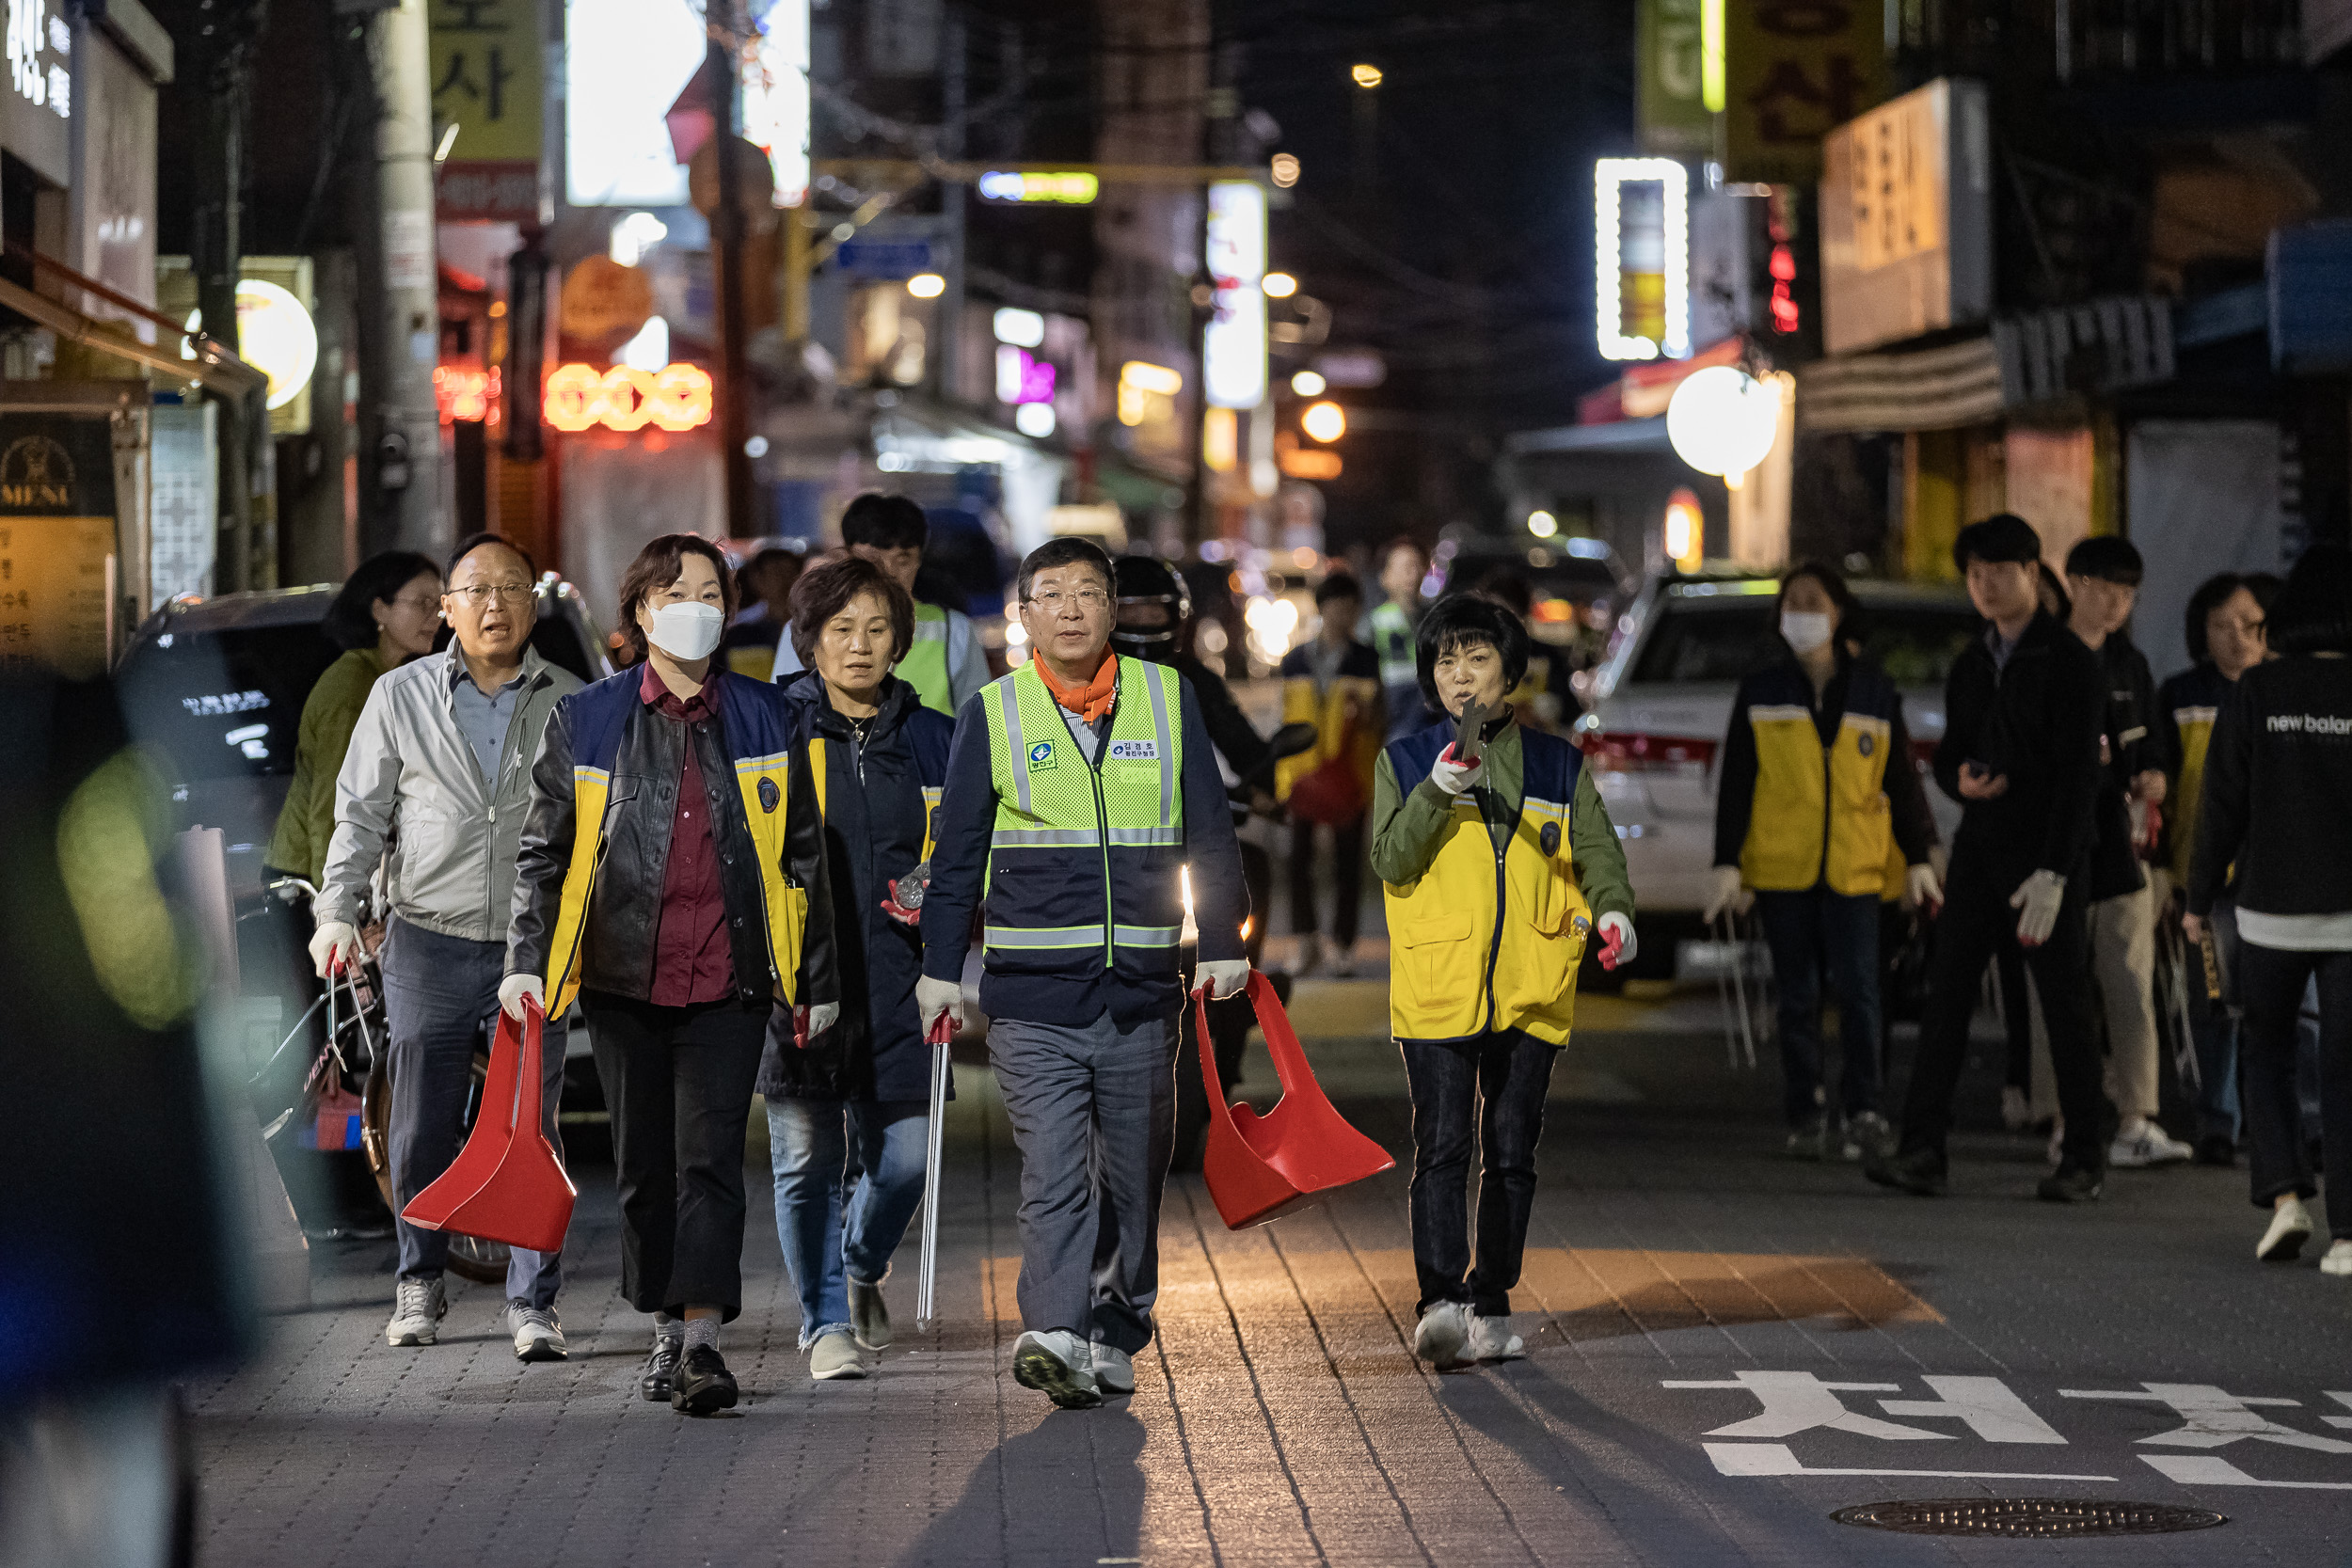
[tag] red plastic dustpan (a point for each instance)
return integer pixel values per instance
(506, 1185)
(1259, 1167)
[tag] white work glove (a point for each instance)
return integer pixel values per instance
(2039, 896)
(1453, 777)
(1922, 888)
(935, 997)
(1220, 978)
(813, 1019)
(334, 941)
(1617, 946)
(1726, 893)
(514, 988)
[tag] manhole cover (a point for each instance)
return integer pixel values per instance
(2035, 1517)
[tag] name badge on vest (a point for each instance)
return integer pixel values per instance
(1134, 751)
(1866, 742)
(1042, 756)
(769, 797)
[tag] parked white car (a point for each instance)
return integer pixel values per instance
(1663, 700)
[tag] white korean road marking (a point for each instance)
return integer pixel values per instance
(1775, 1459)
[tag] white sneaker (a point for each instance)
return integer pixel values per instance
(2057, 1142)
(1491, 1339)
(833, 1357)
(2339, 1259)
(1114, 1371)
(2016, 1114)
(1307, 957)
(538, 1337)
(2137, 1147)
(1342, 964)
(1058, 1365)
(2290, 1227)
(1439, 1336)
(418, 1307)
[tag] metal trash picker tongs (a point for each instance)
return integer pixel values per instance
(940, 1039)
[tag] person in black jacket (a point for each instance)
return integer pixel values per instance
(1816, 792)
(2278, 773)
(877, 757)
(2021, 754)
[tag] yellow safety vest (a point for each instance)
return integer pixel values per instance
(1821, 813)
(925, 666)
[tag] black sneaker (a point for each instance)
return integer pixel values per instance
(2215, 1148)
(2071, 1186)
(1920, 1173)
(660, 1371)
(703, 1385)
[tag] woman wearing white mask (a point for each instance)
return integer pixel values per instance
(672, 876)
(1816, 789)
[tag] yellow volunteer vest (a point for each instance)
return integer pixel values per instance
(1820, 813)
(925, 668)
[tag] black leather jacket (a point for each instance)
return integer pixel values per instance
(616, 950)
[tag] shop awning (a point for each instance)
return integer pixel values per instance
(1935, 389)
(215, 367)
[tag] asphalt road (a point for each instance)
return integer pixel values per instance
(1725, 1347)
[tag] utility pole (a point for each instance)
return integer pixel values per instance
(951, 200)
(734, 387)
(400, 337)
(224, 64)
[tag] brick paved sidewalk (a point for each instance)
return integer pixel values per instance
(1280, 1420)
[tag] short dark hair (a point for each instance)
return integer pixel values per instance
(2211, 594)
(473, 541)
(1833, 582)
(1394, 543)
(2314, 614)
(825, 590)
(657, 567)
(378, 579)
(1338, 585)
(1460, 621)
(1507, 586)
(2055, 586)
(2003, 536)
(1068, 551)
(2110, 557)
(883, 521)
(2265, 587)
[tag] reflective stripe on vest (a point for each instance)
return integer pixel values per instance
(1392, 640)
(925, 667)
(1064, 824)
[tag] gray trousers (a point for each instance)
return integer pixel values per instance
(439, 993)
(1093, 1113)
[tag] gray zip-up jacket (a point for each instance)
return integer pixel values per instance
(410, 776)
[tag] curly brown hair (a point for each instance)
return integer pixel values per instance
(824, 592)
(657, 567)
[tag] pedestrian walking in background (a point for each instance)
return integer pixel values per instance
(1392, 628)
(1332, 682)
(1080, 787)
(2225, 631)
(855, 1100)
(1544, 699)
(2272, 827)
(2020, 754)
(946, 664)
(432, 789)
(672, 876)
(764, 623)
(1817, 794)
(2102, 577)
(1494, 870)
(385, 614)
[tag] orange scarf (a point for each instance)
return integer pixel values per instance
(1089, 702)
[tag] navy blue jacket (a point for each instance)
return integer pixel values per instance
(873, 795)
(1084, 990)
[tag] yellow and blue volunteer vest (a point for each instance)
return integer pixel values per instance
(1483, 940)
(1819, 813)
(757, 723)
(1083, 859)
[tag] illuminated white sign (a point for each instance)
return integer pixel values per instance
(775, 96)
(1073, 189)
(1019, 327)
(1642, 257)
(45, 84)
(1232, 350)
(625, 63)
(275, 335)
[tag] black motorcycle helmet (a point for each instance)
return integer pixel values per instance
(1153, 606)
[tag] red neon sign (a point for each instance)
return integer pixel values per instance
(581, 397)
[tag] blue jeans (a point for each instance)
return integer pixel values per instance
(1807, 931)
(808, 1146)
(2213, 1028)
(439, 993)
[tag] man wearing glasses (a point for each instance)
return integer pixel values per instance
(1079, 789)
(434, 789)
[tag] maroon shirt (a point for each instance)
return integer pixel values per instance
(692, 960)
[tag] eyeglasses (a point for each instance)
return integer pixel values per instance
(477, 594)
(1089, 599)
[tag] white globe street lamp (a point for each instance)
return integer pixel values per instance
(1722, 421)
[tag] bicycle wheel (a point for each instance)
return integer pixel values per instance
(470, 1257)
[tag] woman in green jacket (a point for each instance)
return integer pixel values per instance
(386, 614)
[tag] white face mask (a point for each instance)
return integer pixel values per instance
(1804, 632)
(687, 630)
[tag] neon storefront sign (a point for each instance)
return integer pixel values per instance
(624, 397)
